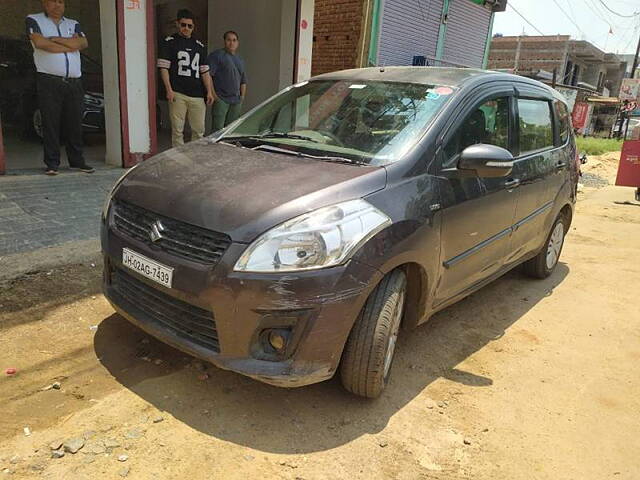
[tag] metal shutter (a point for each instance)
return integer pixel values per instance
(408, 28)
(467, 31)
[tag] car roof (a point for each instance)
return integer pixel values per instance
(453, 77)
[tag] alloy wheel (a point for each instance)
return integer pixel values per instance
(555, 245)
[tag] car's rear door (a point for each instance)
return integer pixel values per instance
(535, 169)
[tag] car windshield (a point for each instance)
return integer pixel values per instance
(371, 122)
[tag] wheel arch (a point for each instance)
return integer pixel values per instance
(416, 301)
(567, 213)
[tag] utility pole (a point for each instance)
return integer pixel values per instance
(635, 60)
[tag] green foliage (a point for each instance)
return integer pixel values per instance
(598, 146)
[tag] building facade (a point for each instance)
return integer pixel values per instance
(281, 41)
(575, 62)
(360, 33)
(276, 36)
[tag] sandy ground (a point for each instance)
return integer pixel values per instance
(522, 380)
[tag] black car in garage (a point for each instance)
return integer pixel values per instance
(18, 94)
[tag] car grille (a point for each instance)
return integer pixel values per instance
(182, 319)
(178, 238)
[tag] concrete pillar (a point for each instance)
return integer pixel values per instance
(136, 69)
(111, 80)
(305, 40)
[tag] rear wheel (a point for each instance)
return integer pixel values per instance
(366, 361)
(543, 264)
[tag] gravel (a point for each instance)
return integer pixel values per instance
(594, 181)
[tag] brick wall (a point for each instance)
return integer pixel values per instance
(336, 34)
(536, 53)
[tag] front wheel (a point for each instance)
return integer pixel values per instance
(366, 361)
(543, 264)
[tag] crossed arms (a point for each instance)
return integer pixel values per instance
(59, 44)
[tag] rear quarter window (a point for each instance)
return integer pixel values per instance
(536, 125)
(564, 122)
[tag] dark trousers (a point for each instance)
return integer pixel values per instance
(61, 103)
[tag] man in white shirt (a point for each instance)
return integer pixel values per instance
(57, 42)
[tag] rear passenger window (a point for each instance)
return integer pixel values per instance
(536, 127)
(563, 122)
(489, 124)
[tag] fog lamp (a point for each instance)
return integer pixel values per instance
(278, 340)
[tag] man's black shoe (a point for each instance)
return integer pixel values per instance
(84, 168)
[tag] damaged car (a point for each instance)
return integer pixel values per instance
(301, 240)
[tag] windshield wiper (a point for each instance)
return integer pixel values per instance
(324, 158)
(286, 135)
(270, 135)
(266, 136)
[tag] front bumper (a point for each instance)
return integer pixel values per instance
(319, 308)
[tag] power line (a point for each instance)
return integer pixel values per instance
(635, 30)
(570, 19)
(573, 14)
(593, 7)
(523, 17)
(618, 14)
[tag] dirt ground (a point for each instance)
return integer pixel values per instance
(522, 380)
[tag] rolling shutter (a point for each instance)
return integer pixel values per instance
(467, 31)
(408, 28)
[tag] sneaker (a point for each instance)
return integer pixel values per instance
(84, 168)
(51, 172)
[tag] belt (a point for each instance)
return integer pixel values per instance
(62, 79)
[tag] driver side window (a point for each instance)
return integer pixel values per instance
(489, 124)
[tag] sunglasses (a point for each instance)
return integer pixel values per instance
(187, 25)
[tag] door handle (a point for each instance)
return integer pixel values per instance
(513, 183)
(560, 165)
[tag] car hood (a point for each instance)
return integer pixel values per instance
(240, 191)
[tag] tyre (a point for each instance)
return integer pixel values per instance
(368, 355)
(543, 264)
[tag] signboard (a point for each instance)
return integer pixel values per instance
(580, 114)
(630, 90)
(629, 167)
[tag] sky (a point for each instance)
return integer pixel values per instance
(582, 19)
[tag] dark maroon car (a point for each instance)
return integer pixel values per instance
(297, 241)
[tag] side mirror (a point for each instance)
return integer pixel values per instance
(583, 158)
(486, 160)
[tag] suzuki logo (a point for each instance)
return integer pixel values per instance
(156, 231)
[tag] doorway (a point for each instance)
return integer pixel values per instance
(267, 32)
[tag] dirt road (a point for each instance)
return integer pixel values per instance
(522, 380)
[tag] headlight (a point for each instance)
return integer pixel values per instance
(319, 239)
(107, 201)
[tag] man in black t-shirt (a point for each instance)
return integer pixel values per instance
(185, 74)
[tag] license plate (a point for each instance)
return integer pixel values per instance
(149, 268)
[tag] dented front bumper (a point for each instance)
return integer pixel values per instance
(317, 309)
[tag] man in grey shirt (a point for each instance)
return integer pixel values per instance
(229, 81)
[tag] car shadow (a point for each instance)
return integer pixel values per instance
(237, 409)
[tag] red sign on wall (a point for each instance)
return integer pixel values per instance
(579, 115)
